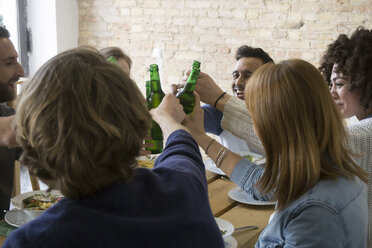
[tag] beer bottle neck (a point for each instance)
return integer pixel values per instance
(191, 80)
(154, 75)
(155, 85)
(148, 89)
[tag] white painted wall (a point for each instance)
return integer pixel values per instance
(67, 24)
(54, 26)
(9, 11)
(41, 16)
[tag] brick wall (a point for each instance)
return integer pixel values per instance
(172, 33)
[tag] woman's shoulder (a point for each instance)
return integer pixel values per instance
(326, 193)
(361, 128)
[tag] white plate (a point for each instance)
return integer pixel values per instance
(211, 166)
(17, 217)
(17, 201)
(230, 242)
(226, 226)
(239, 195)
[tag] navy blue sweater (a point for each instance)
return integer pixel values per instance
(167, 206)
(212, 119)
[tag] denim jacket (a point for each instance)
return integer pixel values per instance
(334, 213)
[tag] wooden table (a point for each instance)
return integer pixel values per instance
(2, 238)
(236, 213)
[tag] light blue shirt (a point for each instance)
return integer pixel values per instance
(334, 213)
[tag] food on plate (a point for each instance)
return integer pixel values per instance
(146, 161)
(223, 231)
(252, 158)
(249, 157)
(40, 201)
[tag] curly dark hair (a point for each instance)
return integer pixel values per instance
(353, 57)
(247, 51)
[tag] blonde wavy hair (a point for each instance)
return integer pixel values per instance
(81, 122)
(301, 130)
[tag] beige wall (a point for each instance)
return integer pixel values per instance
(212, 30)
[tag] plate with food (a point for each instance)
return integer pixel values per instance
(146, 161)
(34, 203)
(17, 217)
(226, 227)
(230, 242)
(253, 157)
(239, 195)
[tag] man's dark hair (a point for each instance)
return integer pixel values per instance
(353, 57)
(4, 33)
(247, 51)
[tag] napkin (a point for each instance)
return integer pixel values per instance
(5, 228)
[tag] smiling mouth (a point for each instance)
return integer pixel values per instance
(11, 85)
(13, 82)
(239, 93)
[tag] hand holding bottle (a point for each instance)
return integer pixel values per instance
(154, 96)
(207, 89)
(186, 94)
(169, 115)
(195, 121)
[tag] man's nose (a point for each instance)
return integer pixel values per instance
(20, 72)
(240, 82)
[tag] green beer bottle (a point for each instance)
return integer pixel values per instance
(148, 91)
(112, 59)
(186, 94)
(154, 99)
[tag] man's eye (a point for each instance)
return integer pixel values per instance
(9, 61)
(247, 76)
(235, 76)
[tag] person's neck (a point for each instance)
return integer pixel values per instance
(367, 113)
(368, 116)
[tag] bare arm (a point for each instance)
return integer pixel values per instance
(236, 118)
(195, 123)
(7, 134)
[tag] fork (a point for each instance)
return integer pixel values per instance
(246, 228)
